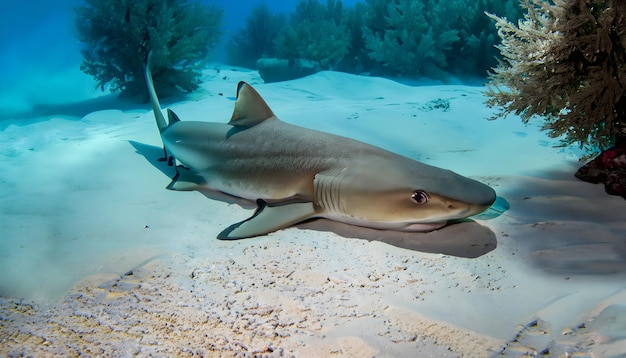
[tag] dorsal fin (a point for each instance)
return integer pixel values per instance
(250, 108)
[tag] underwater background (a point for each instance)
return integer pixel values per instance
(98, 257)
(39, 40)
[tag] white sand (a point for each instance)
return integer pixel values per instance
(97, 256)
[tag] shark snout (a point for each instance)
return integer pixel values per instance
(474, 198)
(475, 193)
(482, 198)
(486, 196)
(461, 210)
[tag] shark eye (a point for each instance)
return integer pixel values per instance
(419, 197)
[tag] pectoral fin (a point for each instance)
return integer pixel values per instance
(185, 180)
(269, 218)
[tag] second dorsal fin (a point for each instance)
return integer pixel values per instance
(250, 108)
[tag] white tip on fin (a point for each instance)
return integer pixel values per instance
(250, 108)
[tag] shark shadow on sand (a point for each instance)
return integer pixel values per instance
(464, 238)
(568, 227)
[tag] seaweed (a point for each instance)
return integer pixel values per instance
(118, 35)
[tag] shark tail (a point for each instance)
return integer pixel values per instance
(156, 106)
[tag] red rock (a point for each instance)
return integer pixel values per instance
(608, 168)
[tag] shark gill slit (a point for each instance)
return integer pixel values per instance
(327, 193)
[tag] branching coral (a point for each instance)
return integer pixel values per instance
(475, 53)
(315, 33)
(257, 39)
(118, 35)
(433, 37)
(565, 61)
(357, 59)
(406, 43)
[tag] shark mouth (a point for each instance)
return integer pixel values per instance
(419, 227)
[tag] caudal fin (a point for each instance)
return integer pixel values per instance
(156, 106)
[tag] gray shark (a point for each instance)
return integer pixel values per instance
(295, 173)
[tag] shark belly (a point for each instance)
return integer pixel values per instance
(395, 226)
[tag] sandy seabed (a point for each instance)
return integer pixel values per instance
(98, 259)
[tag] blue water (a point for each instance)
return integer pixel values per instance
(40, 54)
(76, 202)
(38, 42)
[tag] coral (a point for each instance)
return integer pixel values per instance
(357, 59)
(565, 61)
(118, 35)
(257, 39)
(433, 37)
(276, 70)
(315, 33)
(475, 52)
(400, 35)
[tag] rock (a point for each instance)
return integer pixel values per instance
(608, 168)
(276, 70)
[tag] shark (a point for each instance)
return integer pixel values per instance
(294, 174)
